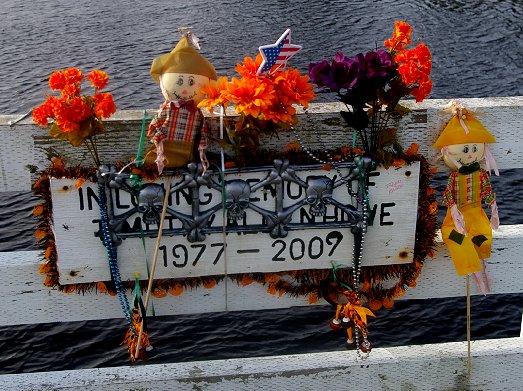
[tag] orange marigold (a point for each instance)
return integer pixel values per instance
(98, 78)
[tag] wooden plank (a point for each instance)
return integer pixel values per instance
(26, 300)
(82, 257)
(496, 365)
(26, 144)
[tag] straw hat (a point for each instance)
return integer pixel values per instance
(182, 59)
(464, 128)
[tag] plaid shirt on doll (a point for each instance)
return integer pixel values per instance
(465, 189)
(180, 121)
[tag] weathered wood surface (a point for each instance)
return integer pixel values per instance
(496, 365)
(26, 144)
(27, 300)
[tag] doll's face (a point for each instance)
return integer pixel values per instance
(183, 86)
(464, 154)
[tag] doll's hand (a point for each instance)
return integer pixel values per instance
(459, 221)
(494, 217)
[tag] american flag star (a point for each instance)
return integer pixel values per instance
(278, 53)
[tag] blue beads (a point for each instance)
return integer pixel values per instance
(113, 258)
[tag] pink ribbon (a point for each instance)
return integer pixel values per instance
(489, 160)
(459, 221)
(160, 157)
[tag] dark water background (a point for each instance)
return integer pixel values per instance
(477, 51)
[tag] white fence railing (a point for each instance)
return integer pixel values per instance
(496, 363)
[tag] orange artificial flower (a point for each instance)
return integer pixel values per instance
(104, 105)
(41, 114)
(294, 86)
(73, 75)
(214, 91)
(249, 67)
(409, 72)
(281, 111)
(98, 78)
(57, 80)
(70, 91)
(400, 37)
(249, 97)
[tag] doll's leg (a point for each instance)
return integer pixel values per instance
(350, 340)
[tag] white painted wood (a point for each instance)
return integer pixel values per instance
(496, 365)
(25, 143)
(26, 300)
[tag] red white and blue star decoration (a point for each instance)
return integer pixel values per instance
(278, 53)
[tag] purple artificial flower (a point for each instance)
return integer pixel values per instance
(319, 73)
(379, 65)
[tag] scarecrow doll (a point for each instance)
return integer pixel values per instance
(466, 229)
(178, 129)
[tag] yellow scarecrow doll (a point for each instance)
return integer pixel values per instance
(466, 229)
(179, 125)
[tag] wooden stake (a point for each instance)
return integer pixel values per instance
(468, 324)
(155, 257)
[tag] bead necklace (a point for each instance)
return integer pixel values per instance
(357, 249)
(112, 256)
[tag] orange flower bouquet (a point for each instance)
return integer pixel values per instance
(264, 102)
(73, 117)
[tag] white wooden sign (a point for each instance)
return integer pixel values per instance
(393, 195)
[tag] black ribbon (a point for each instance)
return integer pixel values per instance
(469, 169)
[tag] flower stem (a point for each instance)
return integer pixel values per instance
(91, 147)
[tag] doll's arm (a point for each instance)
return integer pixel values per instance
(157, 129)
(490, 199)
(494, 216)
(459, 221)
(450, 202)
